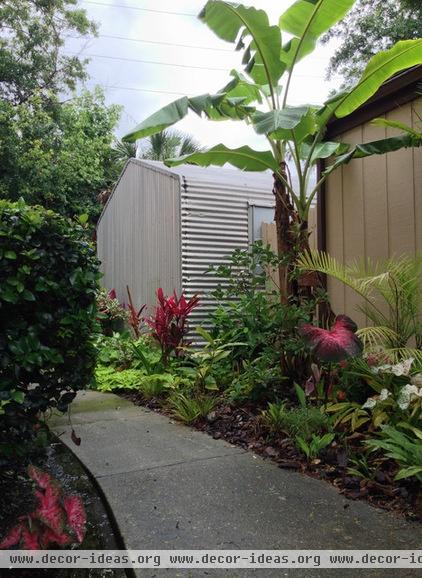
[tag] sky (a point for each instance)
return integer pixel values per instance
(134, 31)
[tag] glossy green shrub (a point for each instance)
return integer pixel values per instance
(48, 281)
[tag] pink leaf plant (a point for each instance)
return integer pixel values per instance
(58, 519)
(335, 344)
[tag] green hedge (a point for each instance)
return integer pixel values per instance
(48, 280)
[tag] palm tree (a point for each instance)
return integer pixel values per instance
(122, 152)
(168, 144)
(157, 147)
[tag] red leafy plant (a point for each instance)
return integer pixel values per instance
(169, 323)
(135, 315)
(58, 519)
(333, 345)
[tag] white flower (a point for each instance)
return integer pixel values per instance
(370, 403)
(384, 394)
(416, 379)
(407, 394)
(381, 369)
(403, 367)
(399, 369)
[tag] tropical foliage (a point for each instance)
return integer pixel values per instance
(157, 147)
(390, 296)
(167, 144)
(259, 96)
(337, 393)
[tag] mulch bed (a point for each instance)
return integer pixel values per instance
(242, 427)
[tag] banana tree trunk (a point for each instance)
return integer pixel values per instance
(292, 239)
(285, 216)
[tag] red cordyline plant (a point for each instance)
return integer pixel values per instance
(58, 519)
(169, 323)
(135, 315)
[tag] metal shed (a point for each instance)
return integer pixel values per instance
(164, 227)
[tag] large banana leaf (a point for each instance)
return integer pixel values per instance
(287, 124)
(220, 106)
(378, 147)
(287, 118)
(322, 150)
(160, 120)
(396, 124)
(381, 67)
(307, 20)
(234, 22)
(243, 158)
(240, 86)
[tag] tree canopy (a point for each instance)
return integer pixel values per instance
(59, 155)
(371, 26)
(32, 33)
(52, 153)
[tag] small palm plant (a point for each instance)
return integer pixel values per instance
(391, 298)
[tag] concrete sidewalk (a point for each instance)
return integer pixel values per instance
(171, 487)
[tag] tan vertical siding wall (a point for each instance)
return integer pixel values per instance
(138, 236)
(374, 205)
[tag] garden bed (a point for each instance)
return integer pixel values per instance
(243, 427)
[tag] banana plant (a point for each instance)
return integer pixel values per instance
(259, 96)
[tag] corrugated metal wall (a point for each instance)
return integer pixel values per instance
(138, 235)
(214, 221)
(374, 205)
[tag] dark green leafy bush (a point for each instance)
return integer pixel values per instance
(48, 281)
(249, 312)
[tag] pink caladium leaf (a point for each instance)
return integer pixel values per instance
(49, 511)
(55, 520)
(42, 479)
(30, 540)
(12, 538)
(335, 344)
(76, 516)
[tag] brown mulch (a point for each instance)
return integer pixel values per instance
(242, 426)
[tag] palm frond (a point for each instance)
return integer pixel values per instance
(401, 353)
(390, 292)
(377, 336)
(123, 151)
(168, 144)
(324, 263)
